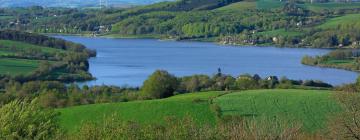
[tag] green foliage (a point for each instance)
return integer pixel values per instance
(342, 58)
(345, 125)
(245, 82)
(309, 107)
(53, 94)
(269, 4)
(27, 56)
(194, 83)
(27, 120)
(239, 6)
(330, 6)
(187, 128)
(160, 84)
(346, 20)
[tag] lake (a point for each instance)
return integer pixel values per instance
(128, 62)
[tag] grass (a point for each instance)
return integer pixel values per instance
(309, 107)
(4, 17)
(149, 36)
(145, 112)
(13, 67)
(318, 7)
(20, 46)
(269, 4)
(238, 7)
(342, 20)
(280, 32)
(338, 62)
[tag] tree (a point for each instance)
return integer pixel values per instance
(160, 84)
(27, 120)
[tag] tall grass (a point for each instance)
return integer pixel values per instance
(187, 129)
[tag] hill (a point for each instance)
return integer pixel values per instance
(74, 3)
(27, 56)
(310, 107)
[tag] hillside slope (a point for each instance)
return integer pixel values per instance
(73, 3)
(310, 107)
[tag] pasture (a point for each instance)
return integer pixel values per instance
(308, 107)
(342, 20)
(13, 67)
(145, 112)
(280, 32)
(318, 7)
(239, 6)
(16, 46)
(311, 108)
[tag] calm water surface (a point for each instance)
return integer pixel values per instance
(130, 61)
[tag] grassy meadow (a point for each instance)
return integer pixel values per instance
(13, 67)
(342, 20)
(194, 105)
(317, 7)
(239, 6)
(269, 4)
(15, 46)
(280, 32)
(308, 107)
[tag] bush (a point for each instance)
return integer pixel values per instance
(160, 84)
(27, 120)
(232, 128)
(346, 125)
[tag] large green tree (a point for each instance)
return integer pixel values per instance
(160, 84)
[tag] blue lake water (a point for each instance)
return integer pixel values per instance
(128, 62)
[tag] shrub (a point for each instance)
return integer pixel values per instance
(160, 84)
(27, 120)
(346, 125)
(232, 128)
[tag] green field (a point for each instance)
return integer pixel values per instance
(339, 62)
(310, 107)
(9, 66)
(280, 32)
(13, 66)
(238, 7)
(317, 7)
(152, 111)
(342, 20)
(7, 45)
(269, 4)
(2, 17)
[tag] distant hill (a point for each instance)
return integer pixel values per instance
(74, 3)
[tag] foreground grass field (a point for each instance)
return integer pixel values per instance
(146, 112)
(308, 107)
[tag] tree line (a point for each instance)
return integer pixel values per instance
(160, 84)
